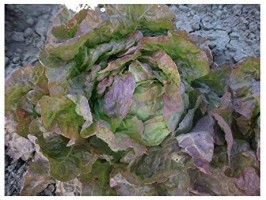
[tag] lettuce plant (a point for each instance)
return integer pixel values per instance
(127, 105)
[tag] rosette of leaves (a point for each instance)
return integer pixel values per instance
(114, 88)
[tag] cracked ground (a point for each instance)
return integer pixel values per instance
(233, 31)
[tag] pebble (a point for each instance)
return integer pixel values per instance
(28, 32)
(234, 35)
(32, 59)
(41, 27)
(219, 13)
(253, 27)
(16, 59)
(183, 8)
(231, 48)
(6, 60)
(30, 21)
(18, 36)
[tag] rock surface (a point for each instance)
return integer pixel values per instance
(233, 32)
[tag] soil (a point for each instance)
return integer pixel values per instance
(233, 32)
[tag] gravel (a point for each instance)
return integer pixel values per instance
(233, 32)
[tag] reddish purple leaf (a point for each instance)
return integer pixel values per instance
(118, 99)
(249, 181)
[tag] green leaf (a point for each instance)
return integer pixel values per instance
(37, 178)
(217, 79)
(19, 83)
(192, 62)
(96, 183)
(186, 124)
(66, 163)
(61, 113)
(245, 83)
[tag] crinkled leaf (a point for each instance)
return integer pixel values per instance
(155, 131)
(216, 184)
(192, 62)
(83, 110)
(228, 133)
(96, 183)
(242, 156)
(37, 178)
(61, 113)
(117, 142)
(159, 164)
(66, 163)
(150, 18)
(147, 100)
(118, 99)
(186, 124)
(69, 188)
(249, 182)
(199, 145)
(20, 82)
(217, 79)
(245, 83)
(126, 184)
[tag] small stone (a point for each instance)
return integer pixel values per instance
(231, 48)
(18, 36)
(214, 7)
(257, 14)
(16, 59)
(41, 27)
(212, 37)
(30, 21)
(31, 60)
(46, 16)
(212, 46)
(195, 26)
(219, 13)
(253, 27)
(28, 32)
(6, 60)
(183, 8)
(234, 35)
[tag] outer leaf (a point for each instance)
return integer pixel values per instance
(186, 124)
(126, 184)
(61, 112)
(192, 62)
(158, 165)
(217, 79)
(37, 177)
(19, 83)
(228, 133)
(249, 181)
(151, 18)
(69, 188)
(117, 142)
(242, 157)
(66, 163)
(97, 182)
(199, 145)
(217, 184)
(83, 110)
(245, 83)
